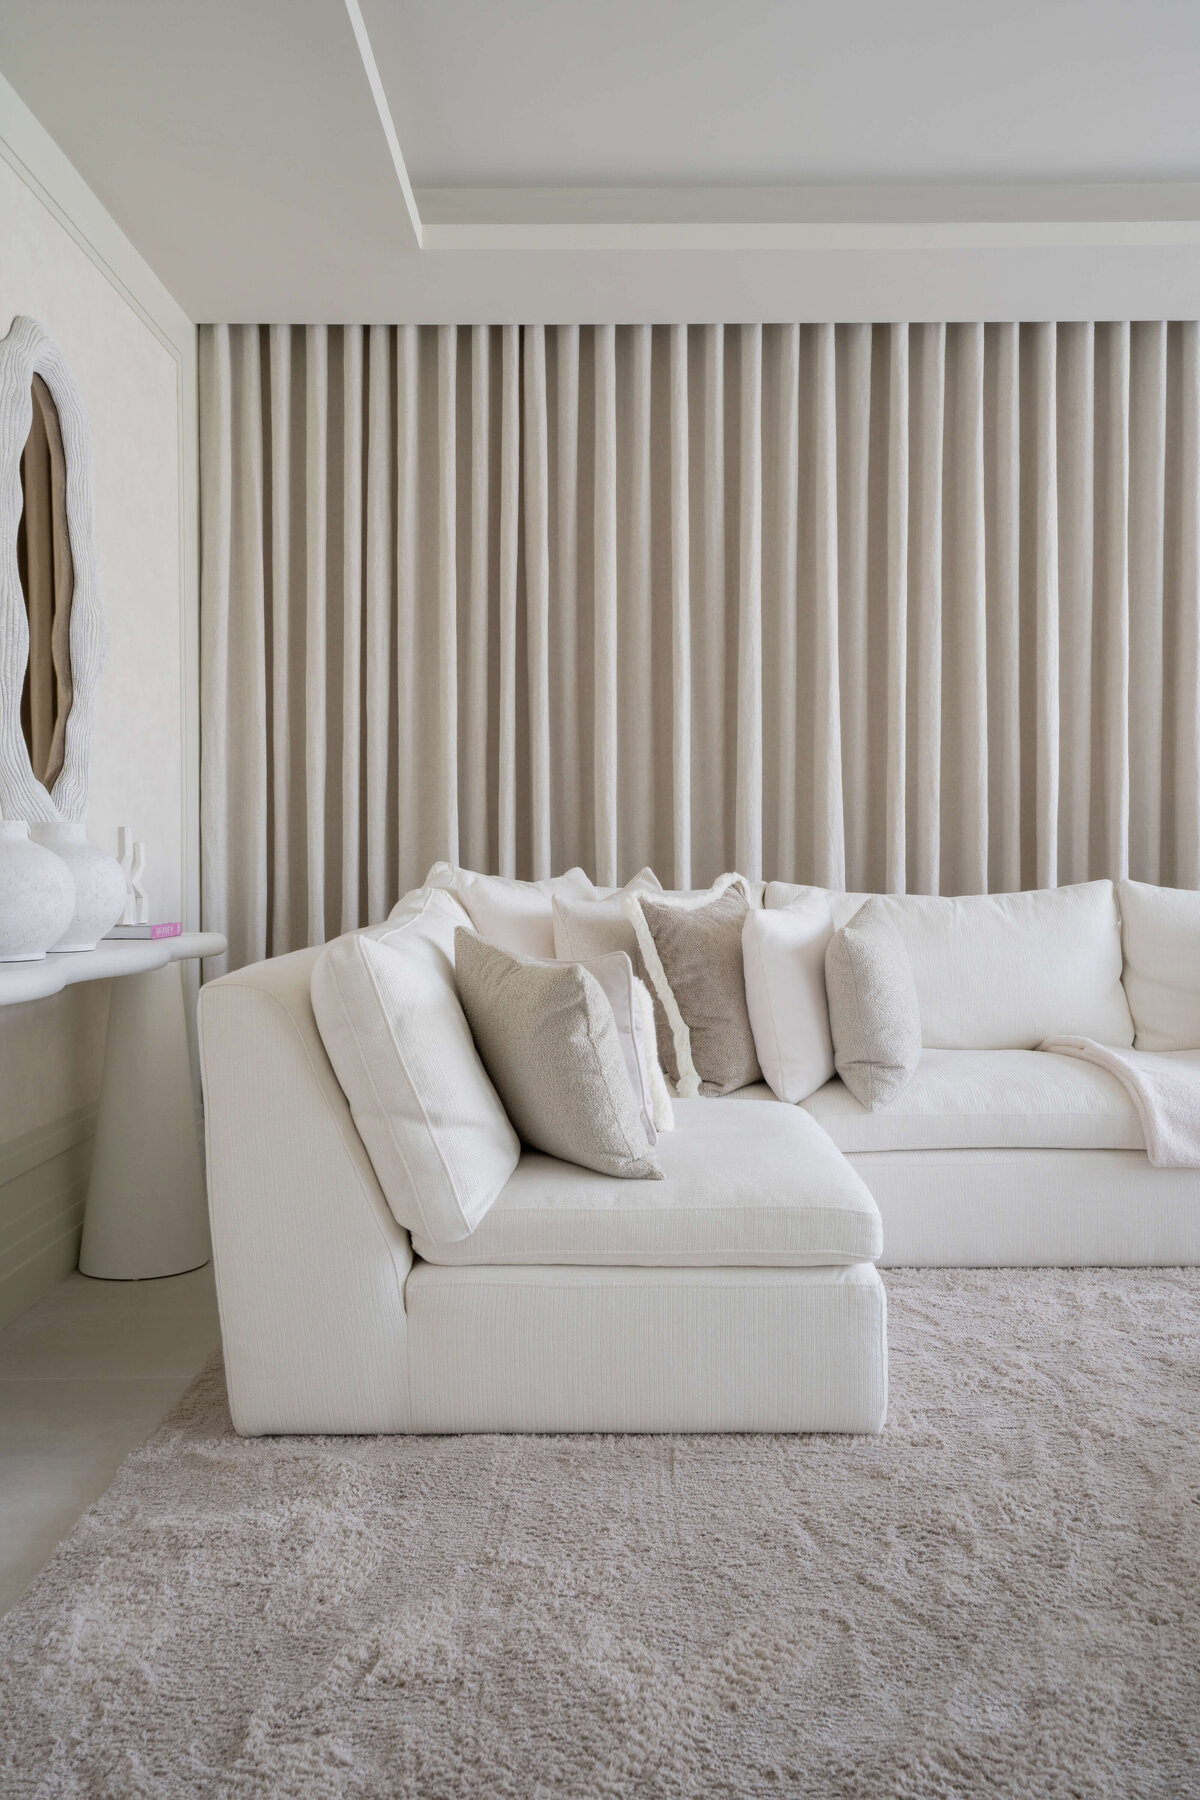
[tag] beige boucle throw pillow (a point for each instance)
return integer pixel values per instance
(546, 1036)
(701, 979)
(874, 1014)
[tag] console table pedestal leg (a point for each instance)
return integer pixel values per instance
(146, 1212)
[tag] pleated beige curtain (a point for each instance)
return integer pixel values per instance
(895, 607)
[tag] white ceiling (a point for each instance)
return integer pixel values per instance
(652, 158)
(721, 92)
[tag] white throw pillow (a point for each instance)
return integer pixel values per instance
(517, 915)
(1160, 934)
(1005, 971)
(387, 1008)
(784, 957)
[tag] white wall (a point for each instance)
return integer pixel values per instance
(132, 352)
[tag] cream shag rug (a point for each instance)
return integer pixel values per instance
(999, 1596)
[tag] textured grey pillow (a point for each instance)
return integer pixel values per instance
(700, 951)
(547, 1038)
(874, 1015)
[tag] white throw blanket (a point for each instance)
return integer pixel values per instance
(1164, 1086)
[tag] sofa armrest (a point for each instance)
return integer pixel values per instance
(310, 1264)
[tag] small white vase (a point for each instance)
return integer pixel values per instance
(99, 885)
(37, 895)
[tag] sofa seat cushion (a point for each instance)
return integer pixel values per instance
(987, 1099)
(745, 1186)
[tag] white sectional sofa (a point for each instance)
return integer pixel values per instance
(742, 1291)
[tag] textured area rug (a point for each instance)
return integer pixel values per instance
(999, 1596)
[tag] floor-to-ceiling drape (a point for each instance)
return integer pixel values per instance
(894, 606)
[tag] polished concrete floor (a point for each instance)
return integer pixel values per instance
(85, 1375)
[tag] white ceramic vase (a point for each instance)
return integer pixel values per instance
(37, 895)
(99, 884)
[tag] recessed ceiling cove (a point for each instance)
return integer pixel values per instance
(463, 159)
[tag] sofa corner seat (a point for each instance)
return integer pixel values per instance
(332, 1323)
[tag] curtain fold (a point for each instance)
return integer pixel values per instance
(890, 607)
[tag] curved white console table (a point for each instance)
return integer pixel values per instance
(146, 1212)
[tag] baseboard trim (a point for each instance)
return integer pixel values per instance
(43, 1187)
(20, 1154)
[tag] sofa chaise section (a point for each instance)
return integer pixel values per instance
(996, 1152)
(990, 1209)
(1011, 1159)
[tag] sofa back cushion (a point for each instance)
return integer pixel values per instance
(514, 914)
(388, 1012)
(517, 915)
(1160, 935)
(842, 907)
(1005, 971)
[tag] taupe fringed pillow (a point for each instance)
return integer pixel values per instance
(700, 980)
(547, 1037)
(874, 1013)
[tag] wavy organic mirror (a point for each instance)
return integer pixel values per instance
(52, 627)
(48, 583)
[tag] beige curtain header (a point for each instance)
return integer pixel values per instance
(890, 607)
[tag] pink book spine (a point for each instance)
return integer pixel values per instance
(165, 931)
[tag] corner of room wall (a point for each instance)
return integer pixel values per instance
(132, 350)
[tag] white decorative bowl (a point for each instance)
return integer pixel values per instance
(99, 885)
(37, 895)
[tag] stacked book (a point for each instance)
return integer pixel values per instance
(168, 930)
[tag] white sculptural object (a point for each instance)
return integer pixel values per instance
(125, 858)
(141, 911)
(132, 857)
